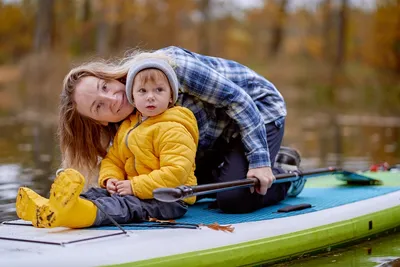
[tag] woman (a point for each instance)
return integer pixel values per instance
(240, 117)
(154, 147)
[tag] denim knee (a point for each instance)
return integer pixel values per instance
(229, 202)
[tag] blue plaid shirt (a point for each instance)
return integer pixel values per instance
(227, 99)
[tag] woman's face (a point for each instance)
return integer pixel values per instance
(101, 100)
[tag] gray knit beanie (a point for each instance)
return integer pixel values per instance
(152, 63)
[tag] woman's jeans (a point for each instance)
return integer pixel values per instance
(227, 162)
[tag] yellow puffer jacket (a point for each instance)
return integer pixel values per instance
(161, 152)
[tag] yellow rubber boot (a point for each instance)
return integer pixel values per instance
(28, 203)
(65, 207)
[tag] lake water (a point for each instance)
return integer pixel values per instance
(29, 156)
(380, 252)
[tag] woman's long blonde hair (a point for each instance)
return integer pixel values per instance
(84, 141)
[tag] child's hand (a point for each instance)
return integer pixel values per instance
(124, 188)
(111, 186)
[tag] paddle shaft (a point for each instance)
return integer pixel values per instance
(280, 178)
(181, 192)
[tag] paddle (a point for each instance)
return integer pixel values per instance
(181, 192)
(356, 178)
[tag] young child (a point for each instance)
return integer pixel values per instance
(154, 147)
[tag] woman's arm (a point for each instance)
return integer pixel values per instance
(207, 84)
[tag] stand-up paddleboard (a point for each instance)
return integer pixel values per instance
(340, 213)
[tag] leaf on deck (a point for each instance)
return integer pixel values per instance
(217, 227)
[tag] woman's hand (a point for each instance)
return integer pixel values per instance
(265, 176)
(111, 185)
(124, 188)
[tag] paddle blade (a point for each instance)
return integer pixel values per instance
(167, 194)
(356, 178)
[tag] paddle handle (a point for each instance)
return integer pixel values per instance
(184, 191)
(218, 187)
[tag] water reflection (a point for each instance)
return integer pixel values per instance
(362, 140)
(28, 157)
(381, 252)
(387, 261)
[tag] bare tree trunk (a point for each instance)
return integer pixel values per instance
(116, 41)
(44, 33)
(340, 54)
(85, 42)
(323, 126)
(277, 30)
(396, 44)
(102, 31)
(327, 30)
(173, 22)
(204, 35)
(337, 74)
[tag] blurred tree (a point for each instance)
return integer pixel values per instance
(337, 75)
(360, 35)
(65, 25)
(44, 32)
(204, 29)
(237, 42)
(173, 14)
(102, 10)
(16, 30)
(387, 41)
(341, 39)
(312, 29)
(84, 20)
(119, 14)
(327, 30)
(278, 27)
(257, 32)
(151, 26)
(125, 19)
(259, 23)
(328, 52)
(334, 33)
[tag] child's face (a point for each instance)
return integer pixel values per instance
(152, 97)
